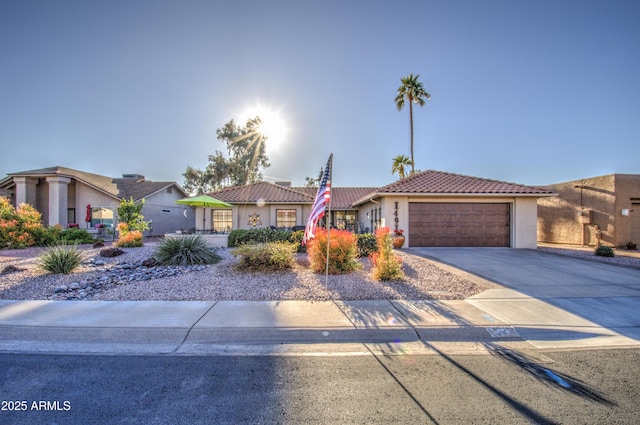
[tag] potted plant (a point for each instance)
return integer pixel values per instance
(398, 238)
(632, 246)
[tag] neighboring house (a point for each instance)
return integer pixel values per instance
(605, 208)
(67, 197)
(433, 208)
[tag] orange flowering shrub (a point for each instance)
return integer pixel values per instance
(343, 251)
(17, 224)
(132, 239)
(386, 265)
(128, 238)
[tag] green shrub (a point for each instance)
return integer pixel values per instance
(61, 259)
(367, 244)
(605, 251)
(237, 237)
(386, 265)
(265, 257)
(185, 251)
(343, 252)
(76, 236)
(296, 239)
(47, 236)
(265, 235)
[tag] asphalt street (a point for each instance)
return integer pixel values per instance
(578, 387)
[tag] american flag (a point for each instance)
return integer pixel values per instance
(322, 199)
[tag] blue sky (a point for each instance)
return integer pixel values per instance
(533, 92)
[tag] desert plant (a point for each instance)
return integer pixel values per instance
(60, 259)
(131, 239)
(265, 257)
(343, 252)
(605, 251)
(386, 265)
(185, 251)
(367, 244)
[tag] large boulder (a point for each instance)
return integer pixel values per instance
(111, 252)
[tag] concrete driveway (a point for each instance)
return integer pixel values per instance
(552, 301)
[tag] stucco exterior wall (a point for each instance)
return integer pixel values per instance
(86, 195)
(600, 200)
(166, 216)
(524, 216)
(267, 213)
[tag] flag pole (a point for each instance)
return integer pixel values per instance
(328, 222)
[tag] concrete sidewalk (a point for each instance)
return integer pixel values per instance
(295, 327)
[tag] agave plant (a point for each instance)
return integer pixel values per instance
(61, 259)
(185, 251)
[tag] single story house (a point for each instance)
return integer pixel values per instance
(433, 208)
(603, 209)
(67, 197)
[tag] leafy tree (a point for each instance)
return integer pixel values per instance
(314, 182)
(411, 91)
(399, 163)
(130, 213)
(246, 157)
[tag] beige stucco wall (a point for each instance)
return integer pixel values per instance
(524, 216)
(603, 199)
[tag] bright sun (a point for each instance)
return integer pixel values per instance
(273, 126)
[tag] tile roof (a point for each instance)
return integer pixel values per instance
(342, 197)
(265, 191)
(116, 187)
(440, 182)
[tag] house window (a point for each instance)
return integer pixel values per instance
(344, 220)
(102, 217)
(285, 218)
(222, 220)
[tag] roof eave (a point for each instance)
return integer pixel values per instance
(375, 195)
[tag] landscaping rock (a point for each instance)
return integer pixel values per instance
(124, 273)
(11, 269)
(150, 262)
(98, 244)
(111, 252)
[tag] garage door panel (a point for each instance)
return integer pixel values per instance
(459, 224)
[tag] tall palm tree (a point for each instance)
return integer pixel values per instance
(411, 91)
(399, 162)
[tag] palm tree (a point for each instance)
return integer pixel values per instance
(399, 162)
(412, 91)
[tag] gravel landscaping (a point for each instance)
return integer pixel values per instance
(124, 278)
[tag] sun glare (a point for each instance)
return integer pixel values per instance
(273, 126)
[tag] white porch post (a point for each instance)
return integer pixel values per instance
(58, 200)
(25, 190)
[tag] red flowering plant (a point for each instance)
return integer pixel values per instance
(398, 232)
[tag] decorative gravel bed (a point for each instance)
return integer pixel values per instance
(625, 258)
(124, 278)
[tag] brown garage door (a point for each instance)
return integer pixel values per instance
(456, 224)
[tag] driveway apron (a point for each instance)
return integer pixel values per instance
(550, 298)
